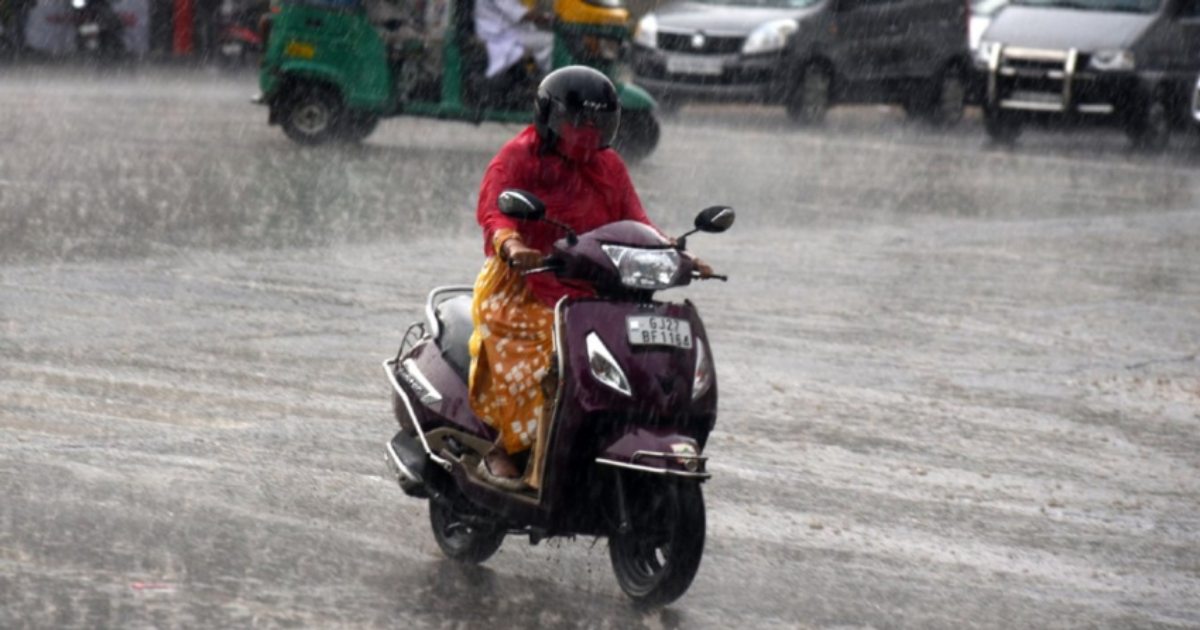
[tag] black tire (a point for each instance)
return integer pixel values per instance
(1001, 126)
(656, 561)
(356, 127)
(1151, 130)
(808, 100)
(311, 114)
(637, 136)
(460, 541)
(943, 102)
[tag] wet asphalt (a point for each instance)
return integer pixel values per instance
(960, 383)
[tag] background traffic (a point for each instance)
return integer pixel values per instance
(1129, 64)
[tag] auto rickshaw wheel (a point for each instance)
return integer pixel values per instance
(637, 136)
(357, 126)
(311, 114)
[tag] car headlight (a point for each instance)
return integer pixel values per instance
(983, 53)
(651, 269)
(770, 37)
(1196, 102)
(1109, 60)
(604, 367)
(703, 378)
(646, 33)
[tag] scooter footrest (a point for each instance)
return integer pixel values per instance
(409, 462)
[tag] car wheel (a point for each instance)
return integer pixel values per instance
(311, 114)
(949, 99)
(1152, 130)
(1001, 126)
(810, 96)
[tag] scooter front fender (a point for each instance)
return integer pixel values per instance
(657, 451)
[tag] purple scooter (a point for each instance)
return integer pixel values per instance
(636, 400)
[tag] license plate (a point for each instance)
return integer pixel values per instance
(231, 48)
(652, 330)
(89, 29)
(1037, 97)
(695, 64)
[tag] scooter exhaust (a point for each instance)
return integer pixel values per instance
(408, 462)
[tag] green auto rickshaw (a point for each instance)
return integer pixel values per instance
(332, 69)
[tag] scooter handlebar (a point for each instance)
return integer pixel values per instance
(696, 275)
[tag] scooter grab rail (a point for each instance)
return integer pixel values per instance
(389, 366)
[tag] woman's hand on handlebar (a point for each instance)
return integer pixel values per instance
(703, 271)
(520, 256)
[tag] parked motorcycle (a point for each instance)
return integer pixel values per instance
(99, 31)
(240, 39)
(636, 399)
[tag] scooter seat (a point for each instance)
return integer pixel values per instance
(454, 319)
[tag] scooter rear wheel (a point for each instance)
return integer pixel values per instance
(460, 540)
(656, 561)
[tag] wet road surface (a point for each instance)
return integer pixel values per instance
(960, 385)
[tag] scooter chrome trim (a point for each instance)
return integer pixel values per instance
(651, 469)
(699, 459)
(431, 303)
(389, 366)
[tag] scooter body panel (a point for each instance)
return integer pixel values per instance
(442, 394)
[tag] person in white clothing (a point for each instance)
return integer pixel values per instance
(509, 30)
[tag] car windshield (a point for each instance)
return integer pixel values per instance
(1123, 6)
(766, 4)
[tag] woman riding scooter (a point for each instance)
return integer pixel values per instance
(565, 160)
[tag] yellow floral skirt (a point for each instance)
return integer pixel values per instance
(511, 351)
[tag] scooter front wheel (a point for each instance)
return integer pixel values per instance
(657, 559)
(461, 540)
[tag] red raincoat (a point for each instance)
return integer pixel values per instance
(583, 196)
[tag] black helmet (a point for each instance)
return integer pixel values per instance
(577, 112)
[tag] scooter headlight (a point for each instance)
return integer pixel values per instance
(604, 367)
(650, 269)
(703, 378)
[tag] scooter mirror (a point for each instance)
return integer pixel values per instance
(715, 219)
(519, 204)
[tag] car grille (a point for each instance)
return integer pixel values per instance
(713, 44)
(1035, 79)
